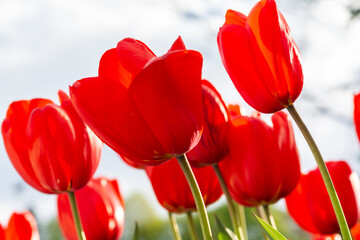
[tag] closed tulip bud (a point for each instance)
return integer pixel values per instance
(261, 57)
(49, 145)
(263, 163)
(310, 206)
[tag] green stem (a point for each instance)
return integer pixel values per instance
(174, 227)
(240, 214)
(345, 232)
(262, 215)
(236, 226)
(269, 216)
(76, 216)
(203, 217)
(191, 225)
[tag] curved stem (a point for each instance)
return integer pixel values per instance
(345, 232)
(269, 216)
(174, 227)
(76, 216)
(203, 217)
(236, 226)
(191, 225)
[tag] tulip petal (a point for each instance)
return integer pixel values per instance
(22, 226)
(13, 130)
(357, 114)
(238, 58)
(106, 108)
(289, 156)
(177, 45)
(275, 51)
(51, 138)
(173, 109)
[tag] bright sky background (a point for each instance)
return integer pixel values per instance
(46, 45)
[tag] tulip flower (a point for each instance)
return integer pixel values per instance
(357, 113)
(49, 145)
(213, 145)
(263, 163)
(172, 190)
(101, 209)
(261, 57)
(310, 206)
(22, 226)
(146, 108)
(2, 233)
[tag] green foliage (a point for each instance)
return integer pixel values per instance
(273, 233)
(136, 235)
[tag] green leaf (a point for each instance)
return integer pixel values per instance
(136, 235)
(224, 232)
(273, 233)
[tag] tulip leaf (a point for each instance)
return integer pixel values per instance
(273, 233)
(136, 235)
(224, 232)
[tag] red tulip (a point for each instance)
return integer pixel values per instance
(173, 191)
(49, 145)
(263, 164)
(144, 107)
(310, 206)
(213, 145)
(357, 113)
(22, 226)
(101, 209)
(355, 232)
(2, 233)
(261, 57)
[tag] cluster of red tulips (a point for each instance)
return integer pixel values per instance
(159, 115)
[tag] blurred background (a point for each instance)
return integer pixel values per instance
(46, 45)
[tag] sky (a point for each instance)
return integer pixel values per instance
(46, 45)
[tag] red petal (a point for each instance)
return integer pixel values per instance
(106, 108)
(22, 226)
(239, 60)
(234, 17)
(357, 113)
(168, 95)
(13, 130)
(276, 53)
(177, 45)
(297, 205)
(289, 156)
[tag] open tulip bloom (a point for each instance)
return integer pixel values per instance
(147, 108)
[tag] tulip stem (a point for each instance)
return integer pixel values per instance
(262, 215)
(269, 216)
(344, 229)
(191, 225)
(204, 220)
(236, 226)
(174, 227)
(76, 216)
(240, 215)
